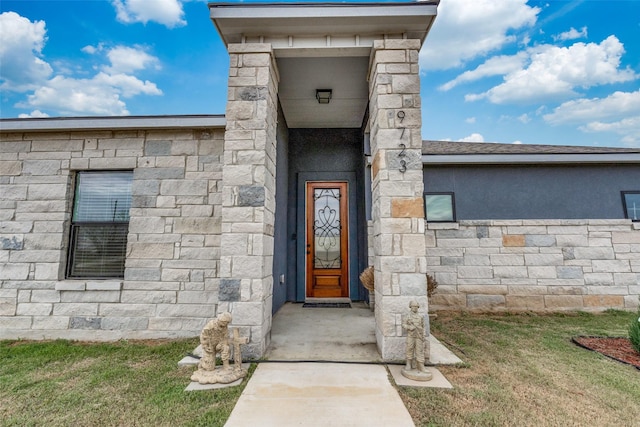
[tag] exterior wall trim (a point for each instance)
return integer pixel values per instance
(112, 123)
(489, 159)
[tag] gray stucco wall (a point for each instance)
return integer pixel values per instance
(535, 192)
(326, 151)
(282, 199)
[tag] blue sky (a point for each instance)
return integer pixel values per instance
(510, 71)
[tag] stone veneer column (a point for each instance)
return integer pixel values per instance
(398, 207)
(248, 193)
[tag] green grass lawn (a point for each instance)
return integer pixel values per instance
(519, 370)
(523, 370)
(64, 383)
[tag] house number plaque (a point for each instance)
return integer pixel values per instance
(402, 154)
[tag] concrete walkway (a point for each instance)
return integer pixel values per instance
(319, 394)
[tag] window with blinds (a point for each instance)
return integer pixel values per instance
(100, 224)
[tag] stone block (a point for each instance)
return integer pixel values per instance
(485, 302)
(507, 259)
(197, 297)
(229, 290)
(572, 240)
(142, 274)
(594, 253)
(104, 285)
(50, 323)
(85, 323)
(542, 240)
(8, 306)
(563, 301)
(34, 309)
(197, 225)
(155, 174)
(543, 259)
(47, 271)
(604, 301)
(513, 240)
(15, 323)
(626, 279)
(148, 297)
(527, 290)
(247, 313)
(11, 242)
(625, 237)
(483, 289)
(150, 250)
(75, 309)
(127, 310)
(542, 272)
(70, 286)
(566, 290)
(506, 272)
(565, 272)
(45, 295)
(525, 302)
(451, 301)
(407, 207)
(599, 279)
(90, 296)
(125, 323)
(475, 272)
(611, 266)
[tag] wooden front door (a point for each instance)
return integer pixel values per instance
(327, 240)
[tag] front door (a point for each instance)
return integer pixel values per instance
(327, 266)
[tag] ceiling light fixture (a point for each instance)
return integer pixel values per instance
(323, 96)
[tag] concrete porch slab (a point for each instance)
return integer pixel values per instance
(319, 394)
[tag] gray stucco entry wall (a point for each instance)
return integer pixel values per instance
(326, 155)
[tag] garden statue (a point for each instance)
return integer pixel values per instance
(414, 324)
(215, 340)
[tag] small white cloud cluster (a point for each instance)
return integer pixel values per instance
(24, 70)
(166, 12)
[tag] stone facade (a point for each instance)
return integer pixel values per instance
(248, 192)
(173, 250)
(541, 265)
(397, 186)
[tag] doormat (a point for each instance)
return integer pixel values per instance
(326, 305)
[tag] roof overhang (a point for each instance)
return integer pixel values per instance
(49, 124)
(345, 28)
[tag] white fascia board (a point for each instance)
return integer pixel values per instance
(318, 10)
(512, 159)
(107, 123)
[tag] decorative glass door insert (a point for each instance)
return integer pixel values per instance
(326, 240)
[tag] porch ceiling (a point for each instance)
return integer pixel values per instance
(322, 46)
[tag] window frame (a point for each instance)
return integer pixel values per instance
(441, 193)
(624, 204)
(77, 226)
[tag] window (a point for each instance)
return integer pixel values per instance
(440, 207)
(100, 224)
(631, 204)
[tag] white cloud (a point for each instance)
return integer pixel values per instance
(498, 65)
(33, 114)
(555, 72)
(129, 59)
(517, 142)
(474, 137)
(616, 105)
(572, 34)
(100, 95)
(21, 43)
(618, 113)
(166, 12)
(471, 120)
(467, 29)
(524, 118)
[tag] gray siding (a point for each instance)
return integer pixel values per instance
(535, 192)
